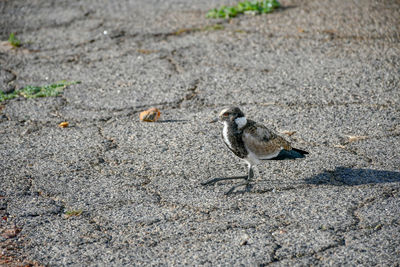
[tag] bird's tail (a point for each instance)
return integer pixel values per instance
(302, 152)
(294, 153)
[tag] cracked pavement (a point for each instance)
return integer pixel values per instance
(328, 71)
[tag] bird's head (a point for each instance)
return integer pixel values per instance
(232, 114)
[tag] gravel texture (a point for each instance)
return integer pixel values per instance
(109, 190)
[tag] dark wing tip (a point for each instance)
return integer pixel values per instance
(302, 152)
(288, 154)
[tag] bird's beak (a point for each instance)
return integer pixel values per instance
(213, 120)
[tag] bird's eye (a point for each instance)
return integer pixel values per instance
(226, 114)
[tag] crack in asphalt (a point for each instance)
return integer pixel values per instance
(122, 43)
(175, 65)
(338, 233)
(107, 144)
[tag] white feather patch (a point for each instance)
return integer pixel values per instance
(241, 122)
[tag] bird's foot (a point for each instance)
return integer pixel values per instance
(247, 189)
(215, 180)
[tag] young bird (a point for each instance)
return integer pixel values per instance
(252, 142)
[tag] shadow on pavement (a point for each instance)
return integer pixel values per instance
(348, 176)
(170, 121)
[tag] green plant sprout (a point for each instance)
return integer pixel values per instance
(54, 89)
(14, 41)
(245, 7)
(4, 96)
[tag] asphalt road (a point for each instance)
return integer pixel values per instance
(109, 190)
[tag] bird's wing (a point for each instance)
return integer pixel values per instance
(264, 143)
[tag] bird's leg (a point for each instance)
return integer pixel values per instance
(251, 173)
(246, 183)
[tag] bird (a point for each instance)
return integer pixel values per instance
(252, 142)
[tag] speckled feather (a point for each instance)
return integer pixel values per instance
(264, 143)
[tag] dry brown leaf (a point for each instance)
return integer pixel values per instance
(64, 124)
(354, 138)
(146, 51)
(329, 31)
(150, 115)
(339, 146)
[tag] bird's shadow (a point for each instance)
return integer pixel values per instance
(341, 176)
(344, 176)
